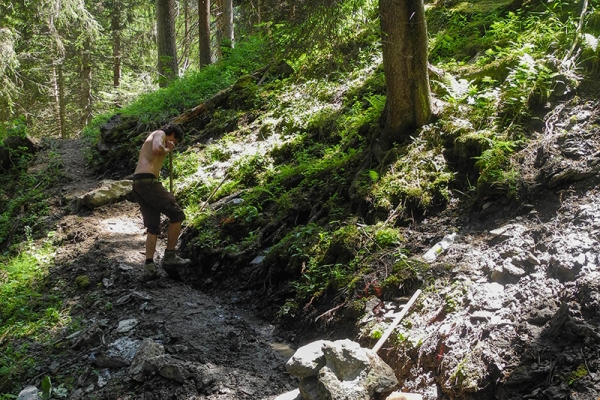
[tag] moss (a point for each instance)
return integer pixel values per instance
(82, 281)
(578, 374)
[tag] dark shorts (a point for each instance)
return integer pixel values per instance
(155, 200)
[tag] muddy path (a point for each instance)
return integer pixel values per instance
(98, 267)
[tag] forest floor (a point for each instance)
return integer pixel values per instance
(514, 312)
(242, 355)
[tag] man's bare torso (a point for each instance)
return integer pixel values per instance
(152, 154)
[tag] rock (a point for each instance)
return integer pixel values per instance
(487, 296)
(29, 393)
(109, 192)
(170, 368)
(147, 350)
(127, 325)
(352, 372)
(309, 388)
(568, 175)
(120, 353)
(90, 336)
(404, 396)
(307, 360)
(293, 395)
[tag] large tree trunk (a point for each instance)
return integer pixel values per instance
(115, 27)
(204, 32)
(218, 13)
(167, 47)
(185, 62)
(86, 83)
(59, 98)
(404, 43)
(228, 36)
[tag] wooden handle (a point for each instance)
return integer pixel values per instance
(391, 328)
(171, 171)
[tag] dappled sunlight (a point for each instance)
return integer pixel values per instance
(120, 226)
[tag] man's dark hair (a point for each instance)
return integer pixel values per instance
(170, 128)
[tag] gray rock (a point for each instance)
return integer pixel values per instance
(307, 360)
(309, 389)
(120, 353)
(170, 368)
(126, 325)
(109, 192)
(293, 395)
(353, 373)
(90, 336)
(487, 296)
(147, 350)
(29, 393)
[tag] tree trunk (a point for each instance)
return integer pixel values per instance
(115, 27)
(86, 83)
(186, 40)
(404, 45)
(59, 97)
(228, 35)
(204, 32)
(218, 13)
(167, 47)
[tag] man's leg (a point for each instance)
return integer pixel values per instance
(171, 260)
(172, 235)
(150, 245)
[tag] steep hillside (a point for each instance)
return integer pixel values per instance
(293, 219)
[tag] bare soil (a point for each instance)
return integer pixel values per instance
(218, 331)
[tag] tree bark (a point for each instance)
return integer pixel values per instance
(167, 47)
(204, 32)
(404, 45)
(218, 13)
(59, 97)
(86, 83)
(115, 27)
(228, 33)
(186, 40)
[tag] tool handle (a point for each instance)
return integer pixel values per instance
(171, 171)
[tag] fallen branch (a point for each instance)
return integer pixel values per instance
(391, 328)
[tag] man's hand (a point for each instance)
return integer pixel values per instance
(169, 146)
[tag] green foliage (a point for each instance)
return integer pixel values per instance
(496, 168)
(82, 281)
(46, 388)
(29, 309)
(26, 203)
(404, 185)
(324, 39)
(577, 374)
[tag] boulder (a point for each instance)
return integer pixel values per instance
(120, 353)
(109, 192)
(344, 371)
(147, 350)
(307, 360)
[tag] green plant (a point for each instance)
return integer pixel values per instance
(577, 374)
(82, 281)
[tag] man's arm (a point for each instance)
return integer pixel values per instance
(158, 143)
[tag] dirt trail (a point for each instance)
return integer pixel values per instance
(105, 246)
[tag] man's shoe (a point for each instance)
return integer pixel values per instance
(171, 259)
(150, 272)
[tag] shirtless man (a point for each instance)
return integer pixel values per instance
(155, 200)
